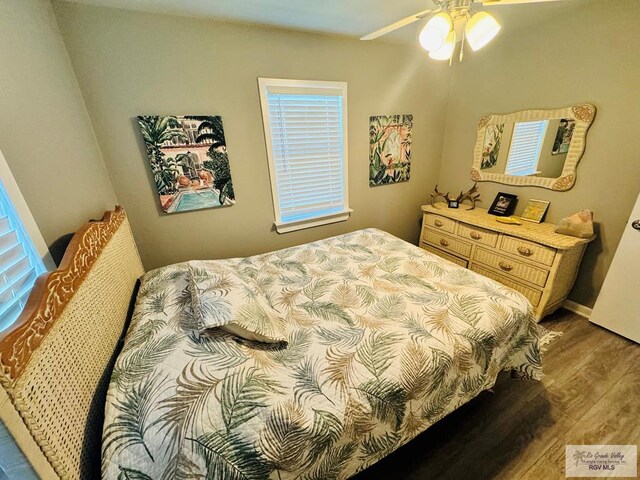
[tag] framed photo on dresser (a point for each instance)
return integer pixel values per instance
(503, 204)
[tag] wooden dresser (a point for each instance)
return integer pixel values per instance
(530, 258)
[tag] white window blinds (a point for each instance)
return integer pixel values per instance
(305, 129)
(526, 143)
(20, 264)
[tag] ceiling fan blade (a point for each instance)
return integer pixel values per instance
(399, 24)
(492, 3)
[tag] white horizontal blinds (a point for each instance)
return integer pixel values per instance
(525, 147)
(20, 264)
(307, 143)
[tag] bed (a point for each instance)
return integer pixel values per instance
(383, 340)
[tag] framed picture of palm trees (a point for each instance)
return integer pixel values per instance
(189, 161)
(389, 149)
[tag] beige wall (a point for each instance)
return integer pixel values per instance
(137, 63)
(45, 131)
(130, 63)
(590, 56)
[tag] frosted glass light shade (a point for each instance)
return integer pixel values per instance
(434, 33)
(445, 52)
(481, 29)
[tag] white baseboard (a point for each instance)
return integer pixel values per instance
(577, 308)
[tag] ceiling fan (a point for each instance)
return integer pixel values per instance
(453, 20)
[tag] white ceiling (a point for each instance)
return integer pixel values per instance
(345, 17)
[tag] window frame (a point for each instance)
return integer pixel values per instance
(24, 213)
(299, 87)
(30, 239)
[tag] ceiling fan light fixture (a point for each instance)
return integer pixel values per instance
(433, 35)
(446, 50)
(480, 30)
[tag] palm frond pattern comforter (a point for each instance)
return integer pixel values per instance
(384, 339)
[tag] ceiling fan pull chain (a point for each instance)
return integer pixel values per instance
(462, 45)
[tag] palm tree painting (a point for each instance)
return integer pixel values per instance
(389, 149)
(189, 161)
(491, 145)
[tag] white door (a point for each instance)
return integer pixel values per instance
(618, 305)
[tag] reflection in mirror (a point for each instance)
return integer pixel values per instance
(532, 147)
(537, 148)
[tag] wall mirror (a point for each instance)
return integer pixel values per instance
(532, 147)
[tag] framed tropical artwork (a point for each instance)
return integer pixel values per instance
(563, 136)
(389, 149)
(491, 145)
(189, 162)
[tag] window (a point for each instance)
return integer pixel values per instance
(305, 126)
(21, 262)
(526, 144)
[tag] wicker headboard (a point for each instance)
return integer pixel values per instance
(56, 360)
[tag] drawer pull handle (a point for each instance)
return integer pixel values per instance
(475, 235)
(444, 243)
(438, 223)
(505, 267)
(527, 252)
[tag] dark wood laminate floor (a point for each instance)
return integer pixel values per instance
(590, 395)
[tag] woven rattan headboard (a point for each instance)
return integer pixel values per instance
(56, 361)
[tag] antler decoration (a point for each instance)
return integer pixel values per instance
(437, 194)
(472, 196)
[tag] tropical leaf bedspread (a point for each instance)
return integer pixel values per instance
(384, 339)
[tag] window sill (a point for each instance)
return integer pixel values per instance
(313, 222)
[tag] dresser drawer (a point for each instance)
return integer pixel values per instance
(448, 243)
(512, 267)
(441, 223)
(478, 235)
(446, 256)
(529, 250)
(532, 294)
